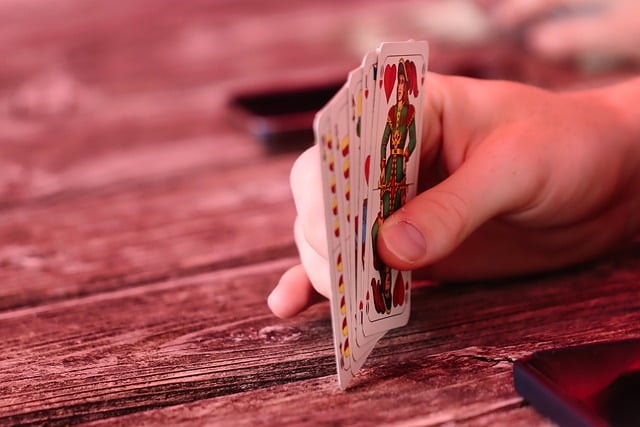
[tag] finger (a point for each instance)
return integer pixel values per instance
(315, 265)
(306, 186)
(292, 294)
(500, 249)
(433, 224)
(302, 285)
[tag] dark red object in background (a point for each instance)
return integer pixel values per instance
(590, 385)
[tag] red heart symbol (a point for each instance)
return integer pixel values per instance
(389, 79)
(398, 291)
(367, 165)
(377, 297)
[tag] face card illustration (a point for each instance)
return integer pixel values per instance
(397, 134)
(325, 134)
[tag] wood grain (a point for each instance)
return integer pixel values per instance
(207, 347)
(141, 230)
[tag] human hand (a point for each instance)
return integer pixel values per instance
(574, 29)
(520, 180)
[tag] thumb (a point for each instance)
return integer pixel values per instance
(492, 182)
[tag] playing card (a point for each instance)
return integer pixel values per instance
(354, 86)
(369, 138)
(360, 346)
(325, 131)
(340, 113)
(396, 137)
(369, 69)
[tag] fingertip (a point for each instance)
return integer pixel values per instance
(293, 294)
(401, 244)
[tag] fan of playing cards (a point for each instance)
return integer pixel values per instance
(369, 135)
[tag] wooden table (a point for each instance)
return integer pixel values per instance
(140, 233)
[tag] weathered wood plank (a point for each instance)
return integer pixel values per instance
(211, 337)
(121, 235)
(430, 396)
(146, 45)
(79, 88)
(140, 234)
(81, 103)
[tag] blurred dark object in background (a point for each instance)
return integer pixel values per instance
(282, 117)
(463, 38)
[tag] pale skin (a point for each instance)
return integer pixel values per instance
(516, 180)
(588, 28)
